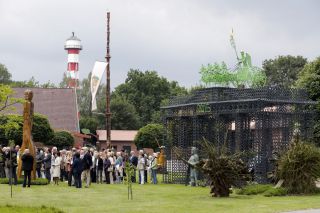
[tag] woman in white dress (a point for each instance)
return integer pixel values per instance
(56, 169)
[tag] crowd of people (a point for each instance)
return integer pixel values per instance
(79, 166)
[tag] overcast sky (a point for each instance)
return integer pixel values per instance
(173, 37)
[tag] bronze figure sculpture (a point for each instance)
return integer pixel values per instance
(27, 142)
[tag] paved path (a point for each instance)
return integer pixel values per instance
(306, 211)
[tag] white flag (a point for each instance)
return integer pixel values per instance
(96, 75)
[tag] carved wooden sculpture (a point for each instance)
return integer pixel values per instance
(27, 142)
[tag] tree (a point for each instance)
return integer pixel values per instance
(284, 70)
(41, 130)
(84, 96)
(62, 139)
(124, 115)
(32, 83)
(64, 81)
(145, 91)
(84, 102)
(89, 123)
(6, 99)
(141, 96)
(5, 75)
(309, 78)
(48, 84)
(150, 136)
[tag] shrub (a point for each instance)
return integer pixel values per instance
(281, 191)
(11, 127)
(149, 136)
(38, 181)
(299, 167)
(254, 189)
(62, 139)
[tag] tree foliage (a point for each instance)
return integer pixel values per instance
(145, 91)
(5, 75)
(62, 139)
(6, 98)
(284, 70)
(41, 130)
(309, 79)
(84, 102)
(89, 123)
(133, 104)
(11, 128)
(150, 136)
(84, 96)
(64, 81)
(299, 167)
(124, 115)
(32, 83)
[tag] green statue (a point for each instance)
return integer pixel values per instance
(244, 75)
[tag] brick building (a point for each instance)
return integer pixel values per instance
(120, 139)
(58, 104)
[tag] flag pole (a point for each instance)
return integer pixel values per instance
(108, 113)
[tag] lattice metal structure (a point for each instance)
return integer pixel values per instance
(261, 121)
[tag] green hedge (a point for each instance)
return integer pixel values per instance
(267, 190)
(276, 192)
(254, 189)
(39, 181)
(25, 209)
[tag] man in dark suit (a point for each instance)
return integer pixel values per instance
(87, 163)
(77, 170)
(134, 162)
(11, 159)
(27, 166)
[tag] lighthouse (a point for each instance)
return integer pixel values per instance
(73, 47)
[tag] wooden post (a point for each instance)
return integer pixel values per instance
(108, 113)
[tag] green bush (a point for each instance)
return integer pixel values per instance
(11, 127)
(299, 167)
(281, 191)
(27, 209)
(254, 189)
(62, 139)
(149, 136)
(38, 181)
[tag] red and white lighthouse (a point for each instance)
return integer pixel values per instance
(73, 47)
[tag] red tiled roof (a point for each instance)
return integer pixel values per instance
(58, 104)
(117, 135)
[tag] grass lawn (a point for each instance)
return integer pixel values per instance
(146, 198)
